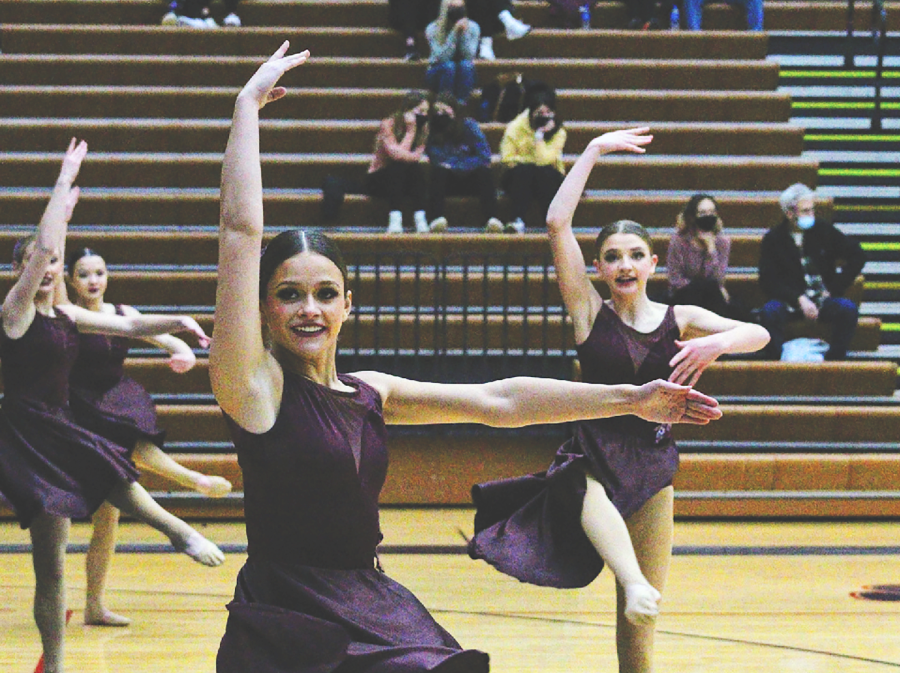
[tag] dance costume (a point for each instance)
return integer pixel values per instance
(105, 400)
(309, 599)
(48, 463)
(530, 527)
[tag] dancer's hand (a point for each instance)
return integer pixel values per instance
(664, 402)
(262, 86)
(693, 358)
(191, 325)
(72, 161)
(182, 362)
(625, 140)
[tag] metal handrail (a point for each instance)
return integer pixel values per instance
(879, 38)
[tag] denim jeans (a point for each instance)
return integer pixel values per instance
(455, 77)
(693, 11)
(841, 313)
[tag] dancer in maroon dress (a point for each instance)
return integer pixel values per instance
(106, 401)
(311, 442)
(51, 469)
(611, 483)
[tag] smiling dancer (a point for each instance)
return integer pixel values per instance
(311, 441)
(557, 528)
(106, 401)
(51, 469)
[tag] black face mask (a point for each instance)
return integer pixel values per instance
(540, 121)
(441, 123)
(707, 222)
(421, 120)
(454, 14)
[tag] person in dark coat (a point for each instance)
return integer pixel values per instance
(805, 266)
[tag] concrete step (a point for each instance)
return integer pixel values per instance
(340, 103)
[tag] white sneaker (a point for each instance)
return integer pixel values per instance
(438, 225)
(517, 226)
(421, 223)
(170, 19)
(395, 222)
(516, 29)
(232, 21)
(493, 226)
(486, 49)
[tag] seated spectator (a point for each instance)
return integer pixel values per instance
(697, 260)
(195, 14)
(397, 169)
(531, 152)
(494, 16)
(410, 17)
(460, 163)
(453, 40)
(642, 15)
(693, 12)
(805, 266)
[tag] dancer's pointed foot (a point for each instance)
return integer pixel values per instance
(213, 487)
(641, 604)
(201, 550)
(103, 617)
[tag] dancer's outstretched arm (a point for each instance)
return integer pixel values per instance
(581, 299)
(524, 401)
(181, 356)
(706, 336)
(18, 307)
(245, 377)
(137, 326)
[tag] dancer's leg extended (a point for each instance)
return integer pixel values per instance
(49, 536)
(151, 458)
(135, 501)
(651, 529)
(608, 533)
(97, 563)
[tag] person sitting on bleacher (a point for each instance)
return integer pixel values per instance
(697, 259)
(531, 151)
(195, 14)
(453, 40)
(693, 13)
(460, 158)
(805, 266)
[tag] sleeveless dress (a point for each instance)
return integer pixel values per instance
(48, 463)
(309, 599)
(530, 527)
(105, 400)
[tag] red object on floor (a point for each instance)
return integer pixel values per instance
(40, 664)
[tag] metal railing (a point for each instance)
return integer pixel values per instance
(461, 317)
(879, 40)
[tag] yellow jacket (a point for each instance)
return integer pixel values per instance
(519, 146)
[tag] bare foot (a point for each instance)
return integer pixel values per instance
(201, 550)
(212, 487)
(641, 604)
(103, 617)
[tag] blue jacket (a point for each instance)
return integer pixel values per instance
(473, 152)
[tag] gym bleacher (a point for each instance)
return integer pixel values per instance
(154, 103)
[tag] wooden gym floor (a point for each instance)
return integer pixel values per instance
(754, 597)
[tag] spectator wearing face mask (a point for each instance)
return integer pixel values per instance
(697, 260)
(453, 39)
(805, 266)
(531, 151)
(460, 158)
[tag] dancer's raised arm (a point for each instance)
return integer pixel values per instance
(581, 299)
(242, 373)
(47, 247)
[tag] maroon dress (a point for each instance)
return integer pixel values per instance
(309, 598)
(530, 527)
(105, 400)
(48, 463)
